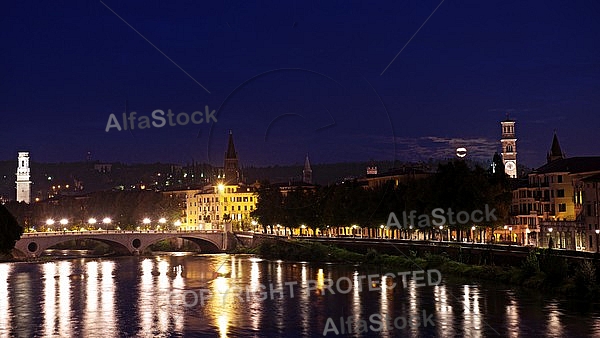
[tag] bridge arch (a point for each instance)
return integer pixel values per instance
(206, 245)
(123, 242)
(34, 246)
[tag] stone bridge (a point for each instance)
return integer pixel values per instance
(122, 241)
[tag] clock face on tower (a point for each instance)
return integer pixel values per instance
(510, 166)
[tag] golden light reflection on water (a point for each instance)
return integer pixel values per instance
(512, 315)
(80, 298)
(161, 298)
(91, 305)
(49, 308)
(471, 313)
(554, 327)
(384, 308)
(356, 303)
(444, 310)
(220, 303)
(255, 307)
(107, 296)
(5, 313)
(64, 299)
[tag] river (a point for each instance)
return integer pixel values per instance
(191, 295)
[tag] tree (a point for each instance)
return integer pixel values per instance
(10, 230)
(269, 205)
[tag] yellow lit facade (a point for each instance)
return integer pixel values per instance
(215, 204)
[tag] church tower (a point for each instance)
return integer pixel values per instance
(509, 147)
(231, 169)
(307, 172)
(23, 182)
(556, 152)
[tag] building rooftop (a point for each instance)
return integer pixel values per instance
(572, 165)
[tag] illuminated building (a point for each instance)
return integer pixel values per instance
(551, 203)
(509, 148)
(23, 182)
(227, 201)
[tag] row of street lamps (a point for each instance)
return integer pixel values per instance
(106, 221)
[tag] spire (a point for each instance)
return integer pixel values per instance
(555, 150)
(231, 154)
(307, 172)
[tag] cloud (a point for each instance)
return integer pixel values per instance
(426, 147)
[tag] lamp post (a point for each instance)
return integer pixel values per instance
(473, 233)
(162, 221)
(441, 228)
(91, 222)
(511, 237)
(382, 231)
(106, 221)
(64, 223)
(49, 223)
(550, 240)
(146, 221)
(597, 233)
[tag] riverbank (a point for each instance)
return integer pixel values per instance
(541, 270)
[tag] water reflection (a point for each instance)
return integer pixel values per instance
(4, 301)
(555, 327)
(250, 298)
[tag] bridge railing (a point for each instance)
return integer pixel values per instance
(104, 232)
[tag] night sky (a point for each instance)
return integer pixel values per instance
(291, 78)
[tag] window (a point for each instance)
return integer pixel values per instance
(559, 179)
(560, 192)
(239, 208)
(245, 208)
(225, 208)
(250, 199)
(562, 207)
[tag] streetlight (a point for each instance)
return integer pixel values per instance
(49, 223)
(64, 222)
(146, 222)
(511, 238)
(597, 233)
(549, 241)
(162, 221)
(382, 231)
(441, 228)
(473, 233)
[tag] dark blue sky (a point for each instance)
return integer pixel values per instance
(291, 78)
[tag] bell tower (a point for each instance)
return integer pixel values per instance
(509, 147)
(23, 182)
(230, 168)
